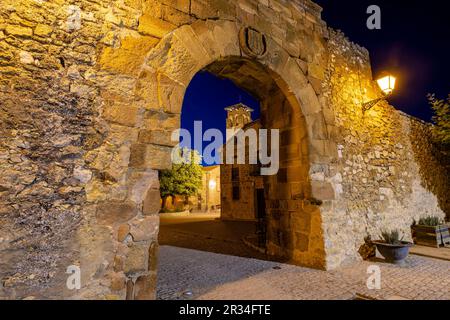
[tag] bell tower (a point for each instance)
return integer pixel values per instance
(238, 116)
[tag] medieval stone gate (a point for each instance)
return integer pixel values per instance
(91, 94)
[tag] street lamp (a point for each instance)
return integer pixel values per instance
(387, 85)
(212, 184)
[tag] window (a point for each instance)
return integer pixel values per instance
(236, 192)
(235, 174)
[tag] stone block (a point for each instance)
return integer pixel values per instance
(322, 190)
(159, 137)
(152, 202)
(170, 94)
(19, 31)
(150, 156)
(290, 152)
(317, 126)
(140, 182)
(301, 221)
(118, 263)
(316, 71)
(147, 89)
(173, 58)
(180, 5)
(316, 84)
(301, 242)
(145, 229)
(118, 281)
(176, 17)
(43, 30)
(209, 9)
(123, 232)
(309, 102)
(110, 213)
(145, 287)
(155, 27)
(293, 75)
(153, 256)
(122, 114)
(129, 57)
(121, 134)
(136, 260)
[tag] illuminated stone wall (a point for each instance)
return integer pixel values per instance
(90, 92)
(386, 175)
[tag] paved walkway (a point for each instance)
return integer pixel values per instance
(192, 274)
(206, 233)
(438, 253)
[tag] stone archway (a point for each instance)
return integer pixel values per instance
(295, 228)
(91, 95)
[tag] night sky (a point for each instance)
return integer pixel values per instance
(206, 99)
(413, 44)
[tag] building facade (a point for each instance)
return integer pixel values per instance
(241, 183)
(209, 196)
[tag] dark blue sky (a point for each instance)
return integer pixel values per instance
(206, 98)
(414, 44)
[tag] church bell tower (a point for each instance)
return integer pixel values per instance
(238, 116)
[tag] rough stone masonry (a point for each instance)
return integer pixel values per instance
(91, 90)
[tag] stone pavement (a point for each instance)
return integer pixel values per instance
(206, 233)
(216, 276)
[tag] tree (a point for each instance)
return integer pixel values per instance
(441, 119)
(184, 178)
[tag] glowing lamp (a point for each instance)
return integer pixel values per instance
(212, 184)
(387, 84)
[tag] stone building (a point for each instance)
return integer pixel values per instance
(241, 184)
(211, 189)
(91, 91)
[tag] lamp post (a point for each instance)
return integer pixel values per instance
(387, 85)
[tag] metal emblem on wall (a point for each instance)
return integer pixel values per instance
(253, 42)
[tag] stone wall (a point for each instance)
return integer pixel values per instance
(67, 76)
(386, 175)
(88, 123)
(90, 91)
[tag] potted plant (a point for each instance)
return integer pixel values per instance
(392, 247)
(431, 231)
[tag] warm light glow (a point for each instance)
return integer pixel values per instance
(387, 84)
(212, 184)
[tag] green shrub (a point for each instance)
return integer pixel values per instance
(430, 221)
(392, 237)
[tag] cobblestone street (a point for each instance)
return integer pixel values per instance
(206, 233)
(215, 276)
(223, 267)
